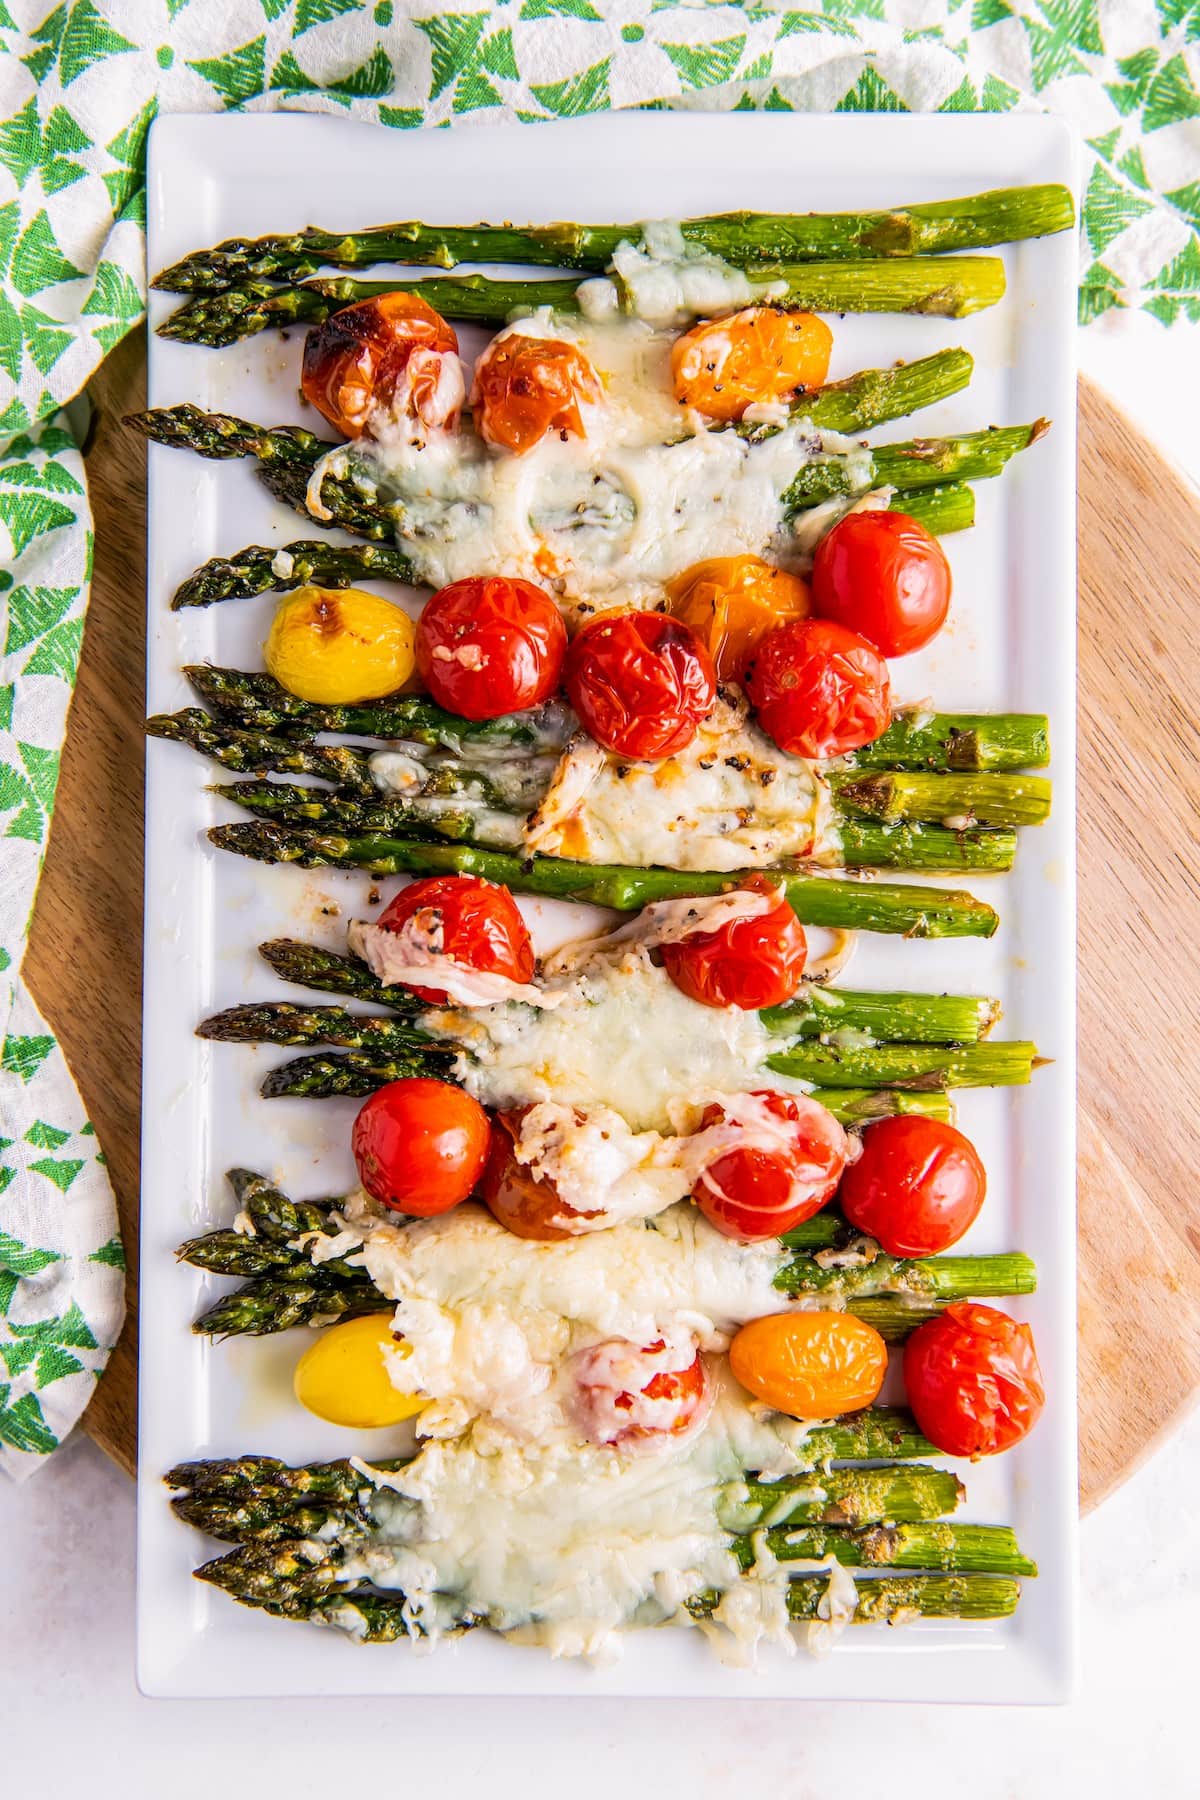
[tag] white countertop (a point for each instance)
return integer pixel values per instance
(75, 1721)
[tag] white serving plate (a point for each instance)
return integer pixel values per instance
(1010, 645)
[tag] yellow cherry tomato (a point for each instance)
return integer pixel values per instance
(811, 1365)
(339, 645)
(722, 366)
(731, 602)
(344, 1377)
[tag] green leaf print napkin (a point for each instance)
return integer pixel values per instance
(79, 86)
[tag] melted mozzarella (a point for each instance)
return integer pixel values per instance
(622, 1036)
(730, 800)
(414, 955)
(507, 1512)
(609, 517)
(666, 281)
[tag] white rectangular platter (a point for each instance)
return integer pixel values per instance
(1010, 645)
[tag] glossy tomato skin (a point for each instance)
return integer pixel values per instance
(640, 682)
(357, 357)
(420, 1146)
(810, 1365)
(479, 922)
(758, 1193)
(883, 575)
(724, 365)
(528, 386)
(819, 690)
(973, 1380)
(731, 602)
(749, 964)
(528, 1205)
(917, 1187)
(489, 645)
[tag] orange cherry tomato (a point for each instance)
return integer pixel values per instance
(356, 359)
(420, 1146)
(489, 645)
(756, 1192)
(640, 1392)
(811, 1365)
(640, 683)
(477, 922)
(527, 1204)
(917, 1187)
(731, 602)
(724, 365)
(527, 386)
(883, 575)
(749, 964)
(818, 689)
(973, 1380)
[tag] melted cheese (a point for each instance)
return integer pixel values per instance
(622, 1036)
(507, 1512)
(414, 955)
(666, 280)
(730, 800)
(608, 518)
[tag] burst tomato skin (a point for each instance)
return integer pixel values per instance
(420, 1146)
(757, 1193)
(749, 964)
(528, 386)
(731, 602)
(646, 1411)
(356, 358)
(528, 1205)
(810, 1365)
(489, 645)
(819, 690)
(723, 366)
(917, 1187)
(973, 1380)
(640, 683)
(480, 925)
(883, 575)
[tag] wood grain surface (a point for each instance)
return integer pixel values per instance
(1139, 792)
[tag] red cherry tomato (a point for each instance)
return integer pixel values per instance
(917, 1187)
(527, 386)
(629, 1392)
(640, 682)
(883, 575)
(420, 1146)
(819, 690)
(761, 1193)
(357, 358)
(750, 964)
(476, 921)
(489, 646)
(973, 1380)
(527, 1204)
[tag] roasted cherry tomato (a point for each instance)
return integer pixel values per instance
(973, 1380)
(883, 575)
(760, 355)
(760, 1191)
(811, 1365)
(750, 964)
(731, 602)
(477, 923)
(527, 1204)
(818, 689)
(346, 1375)
(420, 1146)
(366, 356)
(489, 645)
(917, 1187)
(339, 645)
(640, 683)
(528, 386)
(640, 1392)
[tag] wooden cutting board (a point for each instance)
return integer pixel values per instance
(1139, 722)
